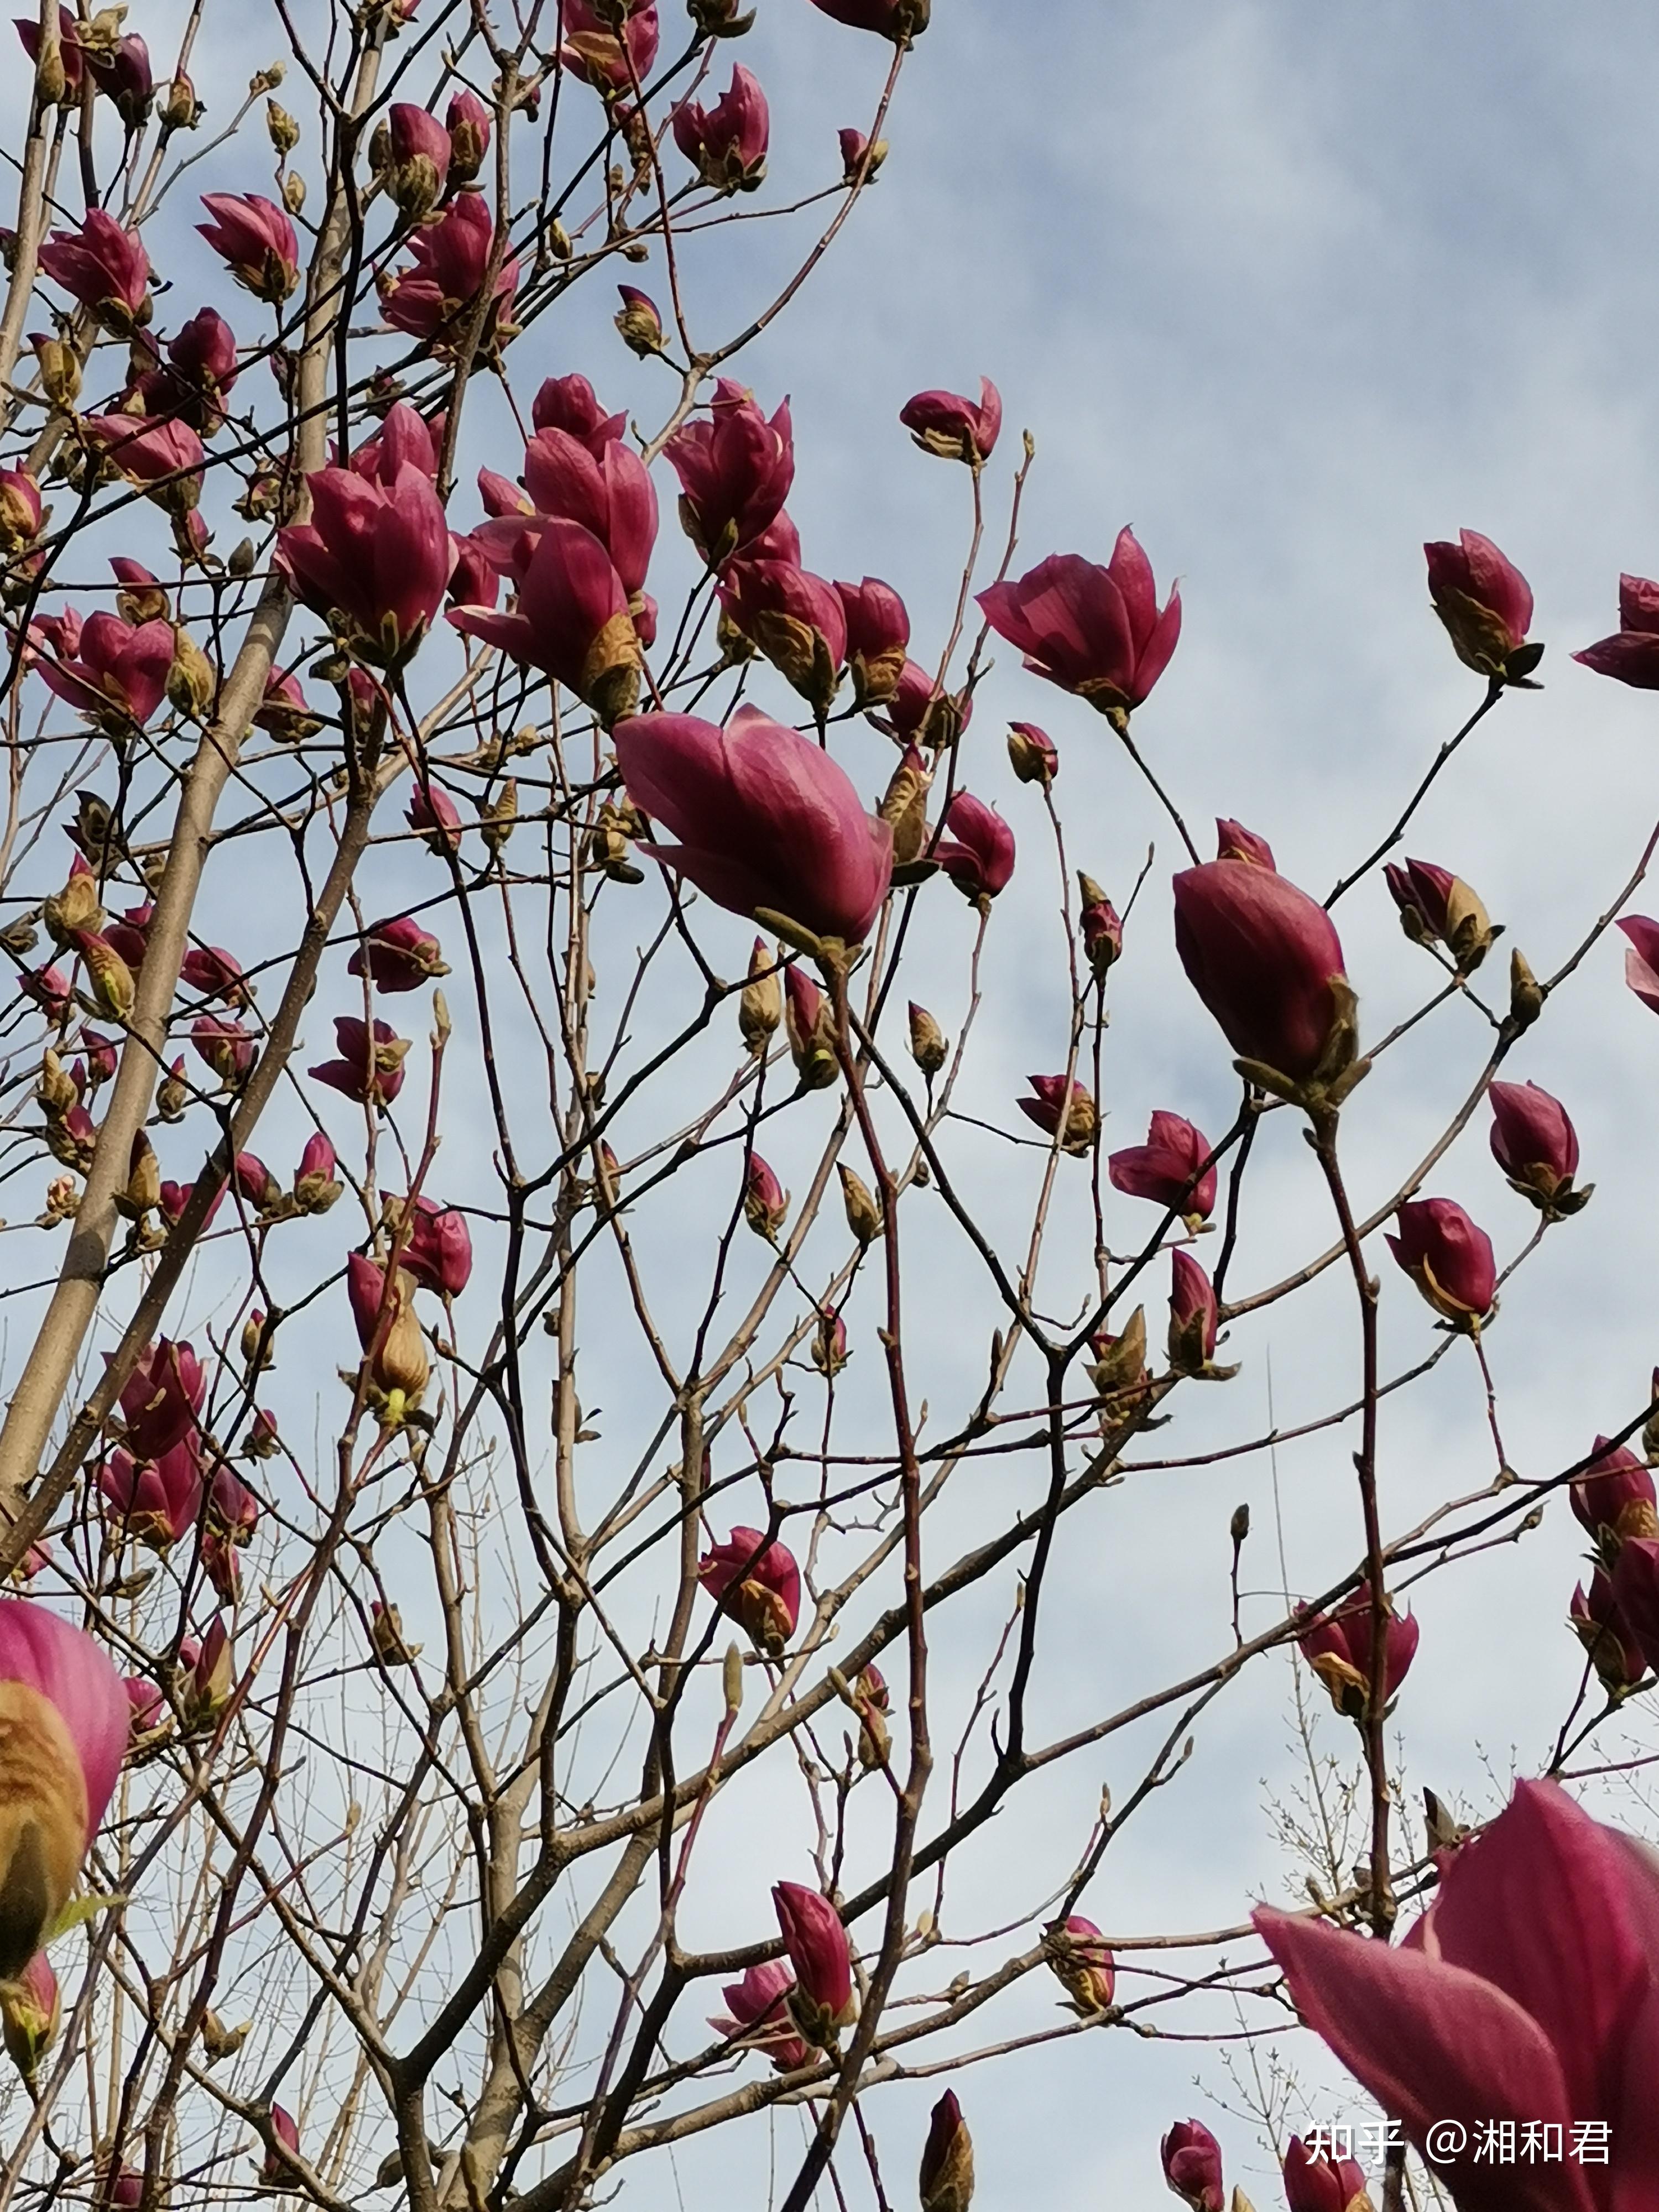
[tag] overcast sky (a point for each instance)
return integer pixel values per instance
(1290, 287)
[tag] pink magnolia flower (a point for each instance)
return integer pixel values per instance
(284, 714)
(978, 855)
(225, 1045)
(817, 1944)
(735, 468)
(468, 121)
(438, 1251)
(767, 822)
(1337, 1647)
(433, 814)
(765, 1201)
(1194, 1315)
(1266, 960)
(1615, 1496)
(1448, 1258)
(277, 2172)
(898, 19)
(1610, 1643)
(1315, 2182)
(1191, 2158)
(758, 1583)
(1235, 842)
(1077, 1955)
(1632, 653)
(757, 2008)
(215, 973)
(1486, 603)
(1098, 632)
(125, 78)
(946, 424)
(1534, 1143)
(854, 148)
(161, 451)
(399, 954)
(1641, 955)
(233, 1509)
(370, 1066)
(418, 154)
(1059, 1110)
(434, 297)
(379, 554)
(568, 402)
(726, 142)
(154, 1501)
(1476, 2018)
(1166, 1169)
(104, 267)
(1032, 754)
(1635, 1582)
(254, 1183)
(161, 1397)
(406, 437)
(571, 621)
(67, 1724)
(144, 1702)
(69, 32)
(922, 710)
(315, 1186)
(794, 618)
(120, 667)
(256, 239)
(596, 53)
(201, 368)
(878, 635)
(29, 2011)
(610, 493)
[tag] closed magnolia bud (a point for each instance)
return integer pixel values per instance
(638, 323)
(497, 815)
(829, 1352)
(1526, 993)
(928, 1046)
(765, 1201)
(75, 907)
(172, 1094)
(281, 129)
(946, 2181)
(190, 681)
(1103, 932)
(809, 1024)
(1079, 1958)
(294, 191)
(904, 806)
(759, 1008)
(60, 371)
(57, 1090)
(1239, 1527)
(256, 1343)
(108, 974)
(1031, 753)
(863, 1214)
(144, 1191)
(1120, 1361)
(29, 2010)
(220, 2042)
(387, 1633)
(181, 110)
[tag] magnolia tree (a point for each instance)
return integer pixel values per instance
(493, 1120)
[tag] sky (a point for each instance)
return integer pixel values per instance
(1291, 289)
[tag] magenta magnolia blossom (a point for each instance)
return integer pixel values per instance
(1534, 1143)
(1191, 2158)
(817, 1944)
(1235, 842)
(1339, 1648)
(256, 239)
(161, 1399)
(978, 855)
(380, 554)
(438, 1250)
(599, 53)
(67, 1721)
(877, 634)
(1632, 653)
(156, 1501)
(1611, 1645)
(1266, 960)
(1615, 1496)
(726, 142)
(1529, 1991)
(370, 1066)
(399, 954)
(1098, 632)
(162, 451)
(767, 822)
(758, 1583)
(1449, 1257)
(571, 621)
(1062, 1109)
(120, 665)
(434, 297)
(1315, 2182)
(735, 468)
(104, 267)
(1166, 1167)
(1194, 1314)
(757, 2008)
(898, 19)
(568, 402)
(794, 617)
(952, 426)
(1486, 603)
(609, 493)
(1641, 958)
